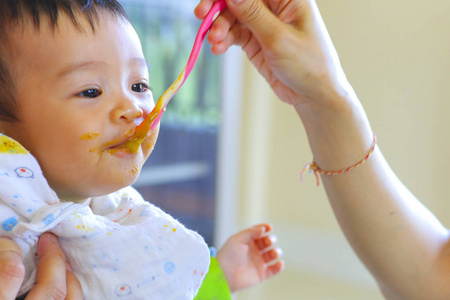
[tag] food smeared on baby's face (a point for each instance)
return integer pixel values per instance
(114, 145)
(90, 135)
(135, 169)
(118, 144)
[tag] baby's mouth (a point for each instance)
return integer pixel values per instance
(118, 144)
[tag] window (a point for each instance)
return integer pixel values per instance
(180, 175)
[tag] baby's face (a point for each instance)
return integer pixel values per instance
(81, 96)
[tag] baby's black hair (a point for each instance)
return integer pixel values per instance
(14, 13)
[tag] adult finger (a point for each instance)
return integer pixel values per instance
(221, 38)
(74, 290)
(12, 270)
(255, 15)
(51, 270)
(202, 8)
(221, 27)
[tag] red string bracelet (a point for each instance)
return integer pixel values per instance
(313, 167)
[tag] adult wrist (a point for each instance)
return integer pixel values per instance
(338, 130)
(331, 98)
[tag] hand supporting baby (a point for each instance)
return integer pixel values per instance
(54, 278)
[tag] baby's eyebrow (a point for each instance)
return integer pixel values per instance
(141, 62)
(80, 66)
(138, 61)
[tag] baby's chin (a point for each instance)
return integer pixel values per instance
(80, 198)
(81, 194)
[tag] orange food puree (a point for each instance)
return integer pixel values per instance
(142, 131)
(90, 135)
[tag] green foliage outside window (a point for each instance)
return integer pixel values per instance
(167, 29)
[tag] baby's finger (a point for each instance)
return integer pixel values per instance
(265, 242)
(275, 268)
(272, 255)
(12, 270)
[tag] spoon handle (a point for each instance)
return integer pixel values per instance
(153, 118)
(212, 15)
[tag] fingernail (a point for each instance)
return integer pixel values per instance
(279, 251)
(50, 237)
(43, 240)
(273, 238)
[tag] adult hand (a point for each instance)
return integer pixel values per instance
(287, 42)
(54, 278)
(12, 270)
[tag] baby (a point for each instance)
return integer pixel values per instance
(73, 87)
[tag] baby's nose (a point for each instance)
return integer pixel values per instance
(132, 114)
(127, 111)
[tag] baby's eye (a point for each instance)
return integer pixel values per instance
(139, 87)
(91, 93)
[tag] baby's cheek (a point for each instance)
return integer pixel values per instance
(149, 143)
(136, 169)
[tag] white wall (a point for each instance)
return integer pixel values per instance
(396, 55)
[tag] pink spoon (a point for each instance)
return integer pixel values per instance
(153, 118)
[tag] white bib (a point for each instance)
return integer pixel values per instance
(119, 246)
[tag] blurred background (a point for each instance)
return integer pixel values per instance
(229, 153)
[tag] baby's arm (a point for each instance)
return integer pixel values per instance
(400, 241)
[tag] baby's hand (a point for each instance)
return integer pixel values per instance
(249, 257)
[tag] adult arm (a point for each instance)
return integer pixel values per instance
(402, 244)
